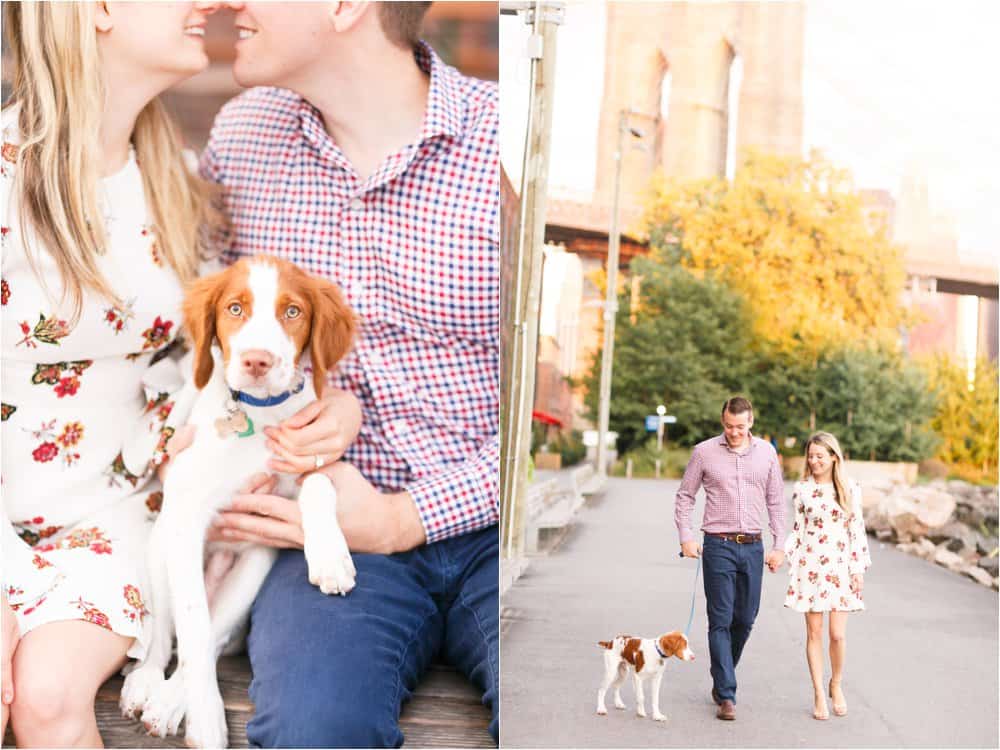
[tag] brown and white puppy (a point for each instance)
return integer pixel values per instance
(250, 326)
(646, 659)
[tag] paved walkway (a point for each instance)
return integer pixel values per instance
(921, 664)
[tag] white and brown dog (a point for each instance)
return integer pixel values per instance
(646, 658)
(264, 313)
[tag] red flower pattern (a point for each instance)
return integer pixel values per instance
(45, 452)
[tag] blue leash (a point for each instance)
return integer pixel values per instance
(694, 593)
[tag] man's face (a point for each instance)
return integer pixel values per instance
(736, 427)
(278, 43)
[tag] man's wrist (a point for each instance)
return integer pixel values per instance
(407, 531)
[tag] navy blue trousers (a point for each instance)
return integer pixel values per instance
(732, 594)
(332, 671)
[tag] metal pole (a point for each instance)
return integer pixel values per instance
(610, 307)
(544, 18)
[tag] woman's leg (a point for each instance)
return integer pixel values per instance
(58, 668)
(814, 656)
(838, 651)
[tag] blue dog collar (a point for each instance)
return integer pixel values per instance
(281, 398)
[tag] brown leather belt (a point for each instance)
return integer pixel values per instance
(738, 538)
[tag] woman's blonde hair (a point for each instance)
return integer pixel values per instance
(58, 88)
(828, 441)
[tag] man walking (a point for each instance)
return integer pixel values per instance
(740, 474)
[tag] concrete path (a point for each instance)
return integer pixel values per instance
(922, 662)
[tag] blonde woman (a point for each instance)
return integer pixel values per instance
(828, 556)
(100, 230)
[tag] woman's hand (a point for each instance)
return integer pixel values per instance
(181, 439)
(857, 584)
(324, 429)
(11, 635)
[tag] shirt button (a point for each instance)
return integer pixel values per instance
(357, 204)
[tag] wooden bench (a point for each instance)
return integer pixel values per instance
(446, 710)
(552, 506)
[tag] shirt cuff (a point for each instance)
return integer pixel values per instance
(455, 502)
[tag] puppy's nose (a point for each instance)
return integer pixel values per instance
(257, 362)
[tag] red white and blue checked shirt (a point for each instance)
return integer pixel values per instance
(738, 486)
(415, 248)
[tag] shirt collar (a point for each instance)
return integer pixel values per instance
(751, 442)
(442, 118)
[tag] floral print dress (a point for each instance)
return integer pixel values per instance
(84, 421)
(826, 547)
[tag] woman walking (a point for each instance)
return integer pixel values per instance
(828, 556)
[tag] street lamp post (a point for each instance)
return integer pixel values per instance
(611, 298)
(660, 411)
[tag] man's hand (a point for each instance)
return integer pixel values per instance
(11, 636)
(372, 521)
(775, 559)
(324, 428)
(691, 549)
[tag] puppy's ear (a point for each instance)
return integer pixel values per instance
(671, 643)
(199, 321)
(332, 332)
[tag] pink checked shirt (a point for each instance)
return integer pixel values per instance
(415, 247)
(737, 488)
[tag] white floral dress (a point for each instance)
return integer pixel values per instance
(82, 427)
(826, 547)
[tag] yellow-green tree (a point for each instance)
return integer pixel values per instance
(966, 417)
(795, 239)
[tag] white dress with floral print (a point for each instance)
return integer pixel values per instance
(826, 547)
(82, 428)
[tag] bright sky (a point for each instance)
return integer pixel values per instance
(889, 89)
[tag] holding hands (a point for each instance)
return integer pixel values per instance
(774, 560)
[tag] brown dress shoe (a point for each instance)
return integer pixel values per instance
(727, 711)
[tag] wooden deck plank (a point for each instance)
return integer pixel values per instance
(445, 710)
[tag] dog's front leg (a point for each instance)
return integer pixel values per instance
(657, 716)
(327, 556)
(206, 715)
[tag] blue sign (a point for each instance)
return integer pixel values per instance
(653, 420)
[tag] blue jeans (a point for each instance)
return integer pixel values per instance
(732, 595)
(333, 671)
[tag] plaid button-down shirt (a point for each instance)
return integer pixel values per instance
(415, 247)
(738, 486)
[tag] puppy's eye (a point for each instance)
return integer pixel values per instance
(293, 311)
(236, 309)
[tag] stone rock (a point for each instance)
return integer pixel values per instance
(949, 560)
(979, 575)
(915, 510)
(958, 535)
(990, 564)
(984, 544)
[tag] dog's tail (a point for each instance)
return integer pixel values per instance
(605, 644)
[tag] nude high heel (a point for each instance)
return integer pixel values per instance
(840, 709)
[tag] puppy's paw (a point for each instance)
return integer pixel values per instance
(139, 685)
(641, 713)
(331, 568)
(659, 717)
(620, 704)
(164, 709)
(206, 725)
(602, 711)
